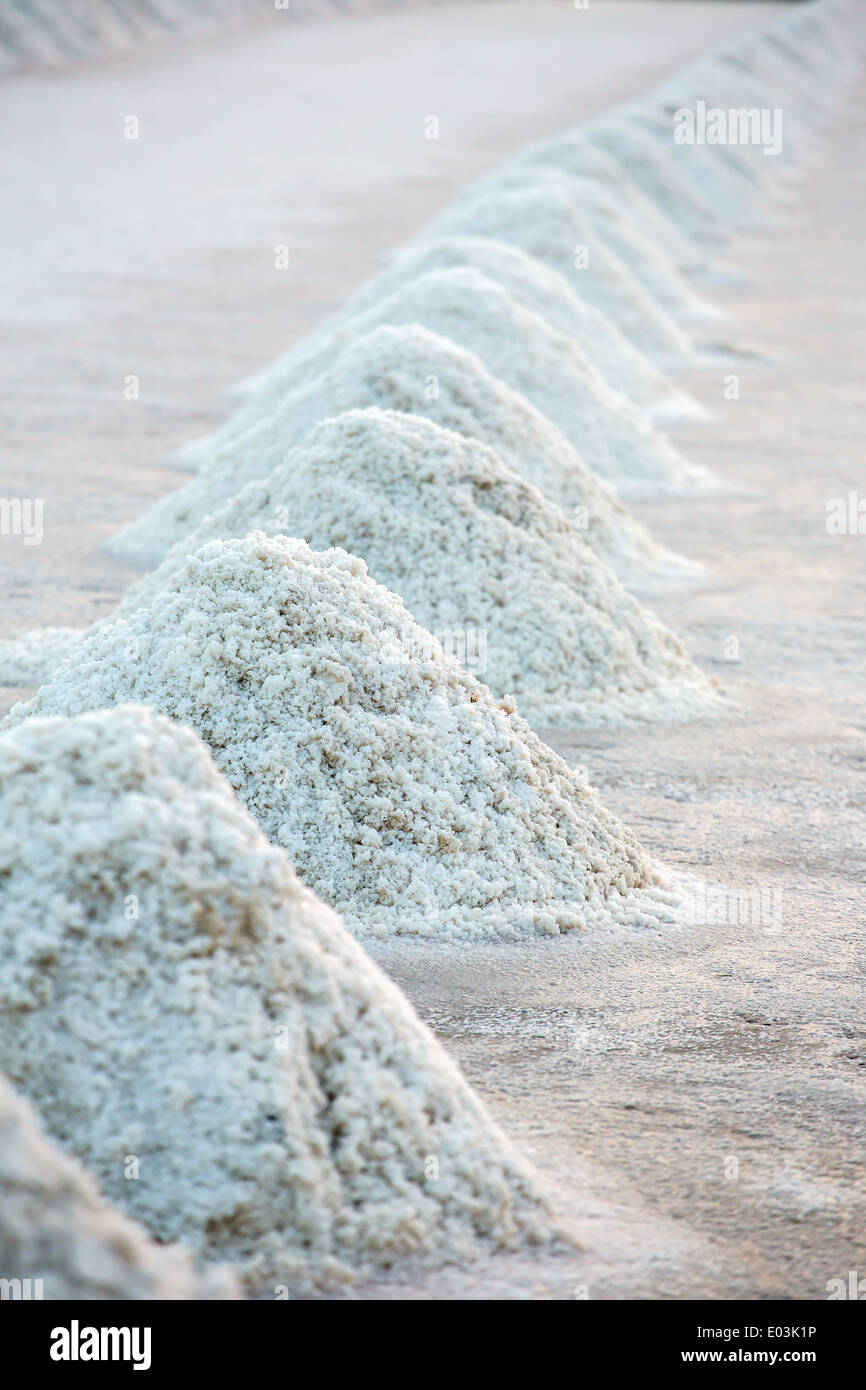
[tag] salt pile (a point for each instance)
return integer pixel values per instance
(405, 795)
(187, 1011)
(389, 365)
(817, 48)
(723, 181)
(480, 558)
(533, 285)
(62, 1240)
(657, 170)
(525, 351)
(547, 222)
(761, 72)
(572, 153)
(605, 225)
(412, 370)
(518, 346)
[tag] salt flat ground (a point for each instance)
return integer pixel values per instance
(633, 1071)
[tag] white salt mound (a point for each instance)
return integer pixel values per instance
(516, 345)
(657, 170)
(56, 1228)
(547, 221)
(529, 354)
(480, 558)
(413, 370)
(181, 999)
(606, 225)
(404, 794)
(533, 285)
(388, 365)
(735, 178)
(572, 153)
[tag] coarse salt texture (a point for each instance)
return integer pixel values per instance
(532, 284)
(499, 574)
(174, 997)
(405, 795)
(391, 367)
(529, 354)
(413, 370)
(58, 1235)
(515, 345)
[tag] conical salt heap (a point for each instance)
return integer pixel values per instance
(657, 170)
(413, 370)
(200, 1030)
(391, 366)
(530, 355)
(604, 224)
(534, 286)
(404, 794)
(544, 218)
(501, 576)
(513, 344)
(573, 154)
(62, 1240)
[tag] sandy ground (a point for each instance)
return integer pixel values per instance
(634, 1072)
